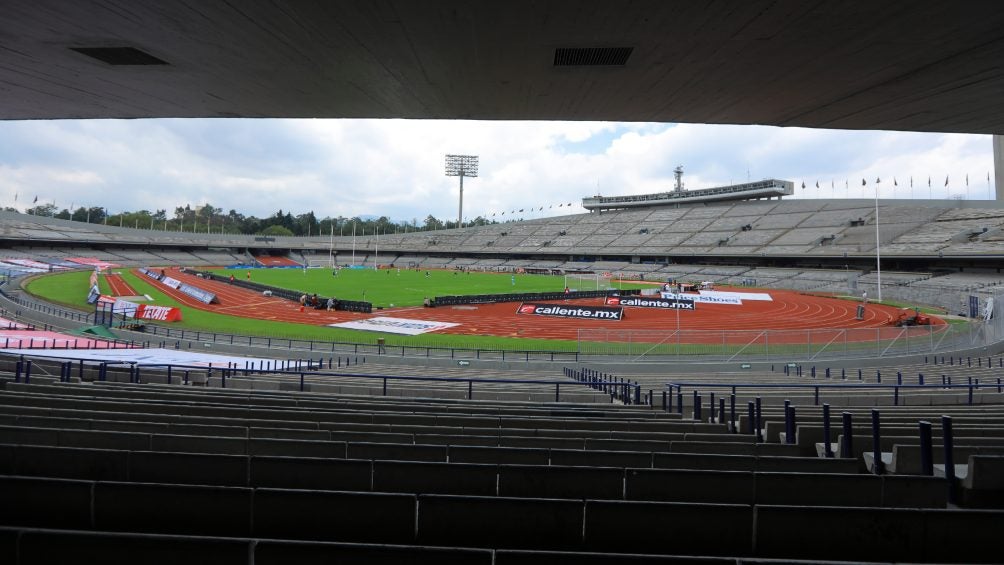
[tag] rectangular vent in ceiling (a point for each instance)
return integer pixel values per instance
(591, 56)
(119, 55)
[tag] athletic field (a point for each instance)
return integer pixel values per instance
(393, 288)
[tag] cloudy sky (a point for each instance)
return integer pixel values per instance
(395, 167)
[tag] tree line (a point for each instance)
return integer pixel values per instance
(209, 219)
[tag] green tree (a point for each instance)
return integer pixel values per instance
(432, 223)
(276, 230)
(42, 210)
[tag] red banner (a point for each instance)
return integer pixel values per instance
(162, 313)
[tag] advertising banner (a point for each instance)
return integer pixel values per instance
(403, 326)
(193, 291)
(124, 308)
(573, 312)
(740, 295)
(93, 294)
(197, 293)
(151, 274)
(704, 299)
(646, 302)
(161, 313)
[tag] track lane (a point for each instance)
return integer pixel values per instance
(790, 310)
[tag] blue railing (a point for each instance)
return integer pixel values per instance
(946, 384)
(301, 368)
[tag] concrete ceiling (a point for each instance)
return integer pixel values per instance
(922, 65)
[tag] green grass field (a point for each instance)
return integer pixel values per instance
(70, 289)
(391, 287)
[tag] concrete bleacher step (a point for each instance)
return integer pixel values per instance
(984, 481)
(317, 417)
(906, 459)
(301, 400)
(484, 479)
(38, 546)
(504, 481)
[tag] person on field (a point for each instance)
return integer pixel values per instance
(231, 279)
(303, 300)
(331, 303)
(249, 275)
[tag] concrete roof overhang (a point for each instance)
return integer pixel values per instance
(921, 65)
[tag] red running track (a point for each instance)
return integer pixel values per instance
(118, 285)
(789, 310)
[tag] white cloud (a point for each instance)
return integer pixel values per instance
(395, 167)
(76, 177)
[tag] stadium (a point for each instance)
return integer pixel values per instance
(718, 376)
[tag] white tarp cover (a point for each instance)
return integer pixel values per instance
(386, 324)
(704, 298)
(144, 357)
(740, 295)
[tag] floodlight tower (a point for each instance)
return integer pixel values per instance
(461, 166)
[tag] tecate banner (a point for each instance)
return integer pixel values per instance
(575, 312)
(641, 302)
(162, 313)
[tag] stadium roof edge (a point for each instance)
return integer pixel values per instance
(767, 188)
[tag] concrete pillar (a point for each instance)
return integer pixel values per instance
(999, 166)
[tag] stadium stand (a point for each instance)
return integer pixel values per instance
(421, 476)
(417, 461)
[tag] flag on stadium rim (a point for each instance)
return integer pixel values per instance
(863, 182)
(967, 179)
(946, 180)
(894, 183)
(817, 184)
(803, 184)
